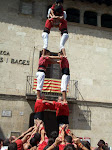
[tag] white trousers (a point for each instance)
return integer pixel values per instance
(45, 38)
(40, 80)
(64, 82)
(64, 38)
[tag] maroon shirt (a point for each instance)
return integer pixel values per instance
(61, 109)
(42, 145)
(19, 144)
(39, 106)
(43, 63)
(64, 62)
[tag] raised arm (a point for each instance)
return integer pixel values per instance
(79, 144)
(42, 132)
(51, 13)
(25, 138)
(58, 17)
(56, 143)
(62, 133)
(36, 129)
(54, 57)
(23, 134)
(47, 101)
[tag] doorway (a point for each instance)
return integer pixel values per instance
(50, 121)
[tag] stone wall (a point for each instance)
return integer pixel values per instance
(89, 119)
(89, 51)
(93, 122)
(18, 119)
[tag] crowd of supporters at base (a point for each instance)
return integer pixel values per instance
(35, 138)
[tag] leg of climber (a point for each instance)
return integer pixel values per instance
(64, 33)
(40, 81)
(45, 34)
(64, 82)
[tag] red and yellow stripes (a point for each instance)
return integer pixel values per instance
(50, 85)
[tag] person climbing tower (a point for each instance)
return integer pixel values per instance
(56, 18)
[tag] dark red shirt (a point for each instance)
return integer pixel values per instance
(19, 144)
(62, 146)
(39, 106)
(43, 62)
(42, 145)
(50, 106)
(64, 62)
(61, 109)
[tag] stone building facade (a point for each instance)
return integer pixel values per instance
(89, 53)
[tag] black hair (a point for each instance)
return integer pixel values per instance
(1, 140)
(59, 1)
(58, 9)
(86, 144)
(29, 146)
(33, 141)
(12, 146)
(50, 141)
(68, 138)
(103, 142)
(37, 136)
(6, 142)
(56, 148)
(61, 53)
(54, 134)
(69, 147)
(47, 51)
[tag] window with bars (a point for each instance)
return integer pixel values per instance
(90, 18)
(106, 20)
(53, 70)
(26, 7)
(73, 15)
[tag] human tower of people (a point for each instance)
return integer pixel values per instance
(35, 138)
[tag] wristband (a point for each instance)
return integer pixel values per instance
(42, 128)
(54, 145)
(81, 145)
(67, 131)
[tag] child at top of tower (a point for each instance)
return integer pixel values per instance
(56, 9)
(56, 18)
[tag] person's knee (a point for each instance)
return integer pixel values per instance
(65, 36)
(44, 35)
(47, 30)
(64, 31)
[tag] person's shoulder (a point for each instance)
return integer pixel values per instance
(39, 100)
(41, 58)
(19, 141)
(65, 103)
